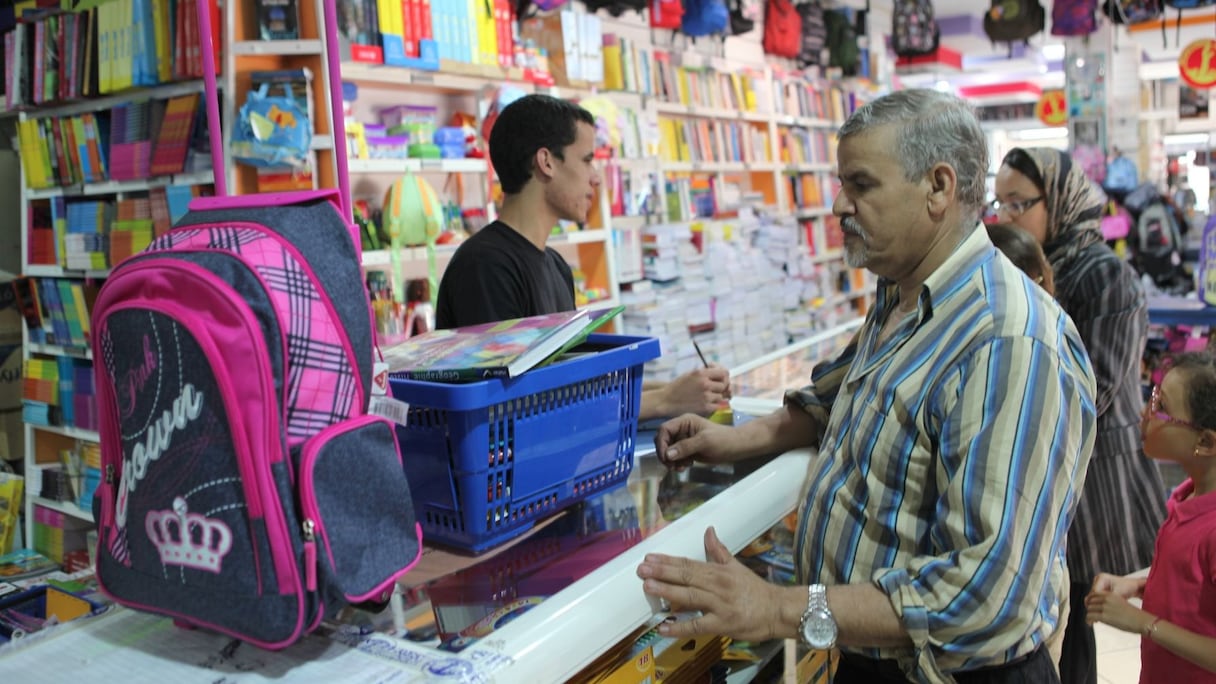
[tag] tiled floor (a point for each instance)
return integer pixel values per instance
(1118, 656)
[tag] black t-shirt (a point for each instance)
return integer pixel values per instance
(498, 274)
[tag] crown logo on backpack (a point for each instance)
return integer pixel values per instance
(188, 539)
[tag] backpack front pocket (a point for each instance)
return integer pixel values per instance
(354, 493)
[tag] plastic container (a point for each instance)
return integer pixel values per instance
(486, 460)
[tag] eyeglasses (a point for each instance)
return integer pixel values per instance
(1154, 410)
(1014, 208)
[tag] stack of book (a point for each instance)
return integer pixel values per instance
(502, 349)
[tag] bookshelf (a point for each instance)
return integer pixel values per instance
(732, 101)
(109, 157)
(246, 55)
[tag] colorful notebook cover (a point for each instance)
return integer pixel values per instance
(490, 350)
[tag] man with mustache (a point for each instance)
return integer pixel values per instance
(543, 150)
(953, 435)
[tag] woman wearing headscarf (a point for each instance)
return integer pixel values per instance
(1123, 501)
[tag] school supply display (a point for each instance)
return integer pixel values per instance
(246, 487)
(11, 487)
(272, 130)
(1207, 264)
(412, 215)
(502, 349)
(24, 563)
(40, 607)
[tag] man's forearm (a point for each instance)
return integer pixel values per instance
(785, 429)
(864, 616)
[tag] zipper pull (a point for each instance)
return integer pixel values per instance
(109, 473)
(107, 496)
(310, 555)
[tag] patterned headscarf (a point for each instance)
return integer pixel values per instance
(1074, 205)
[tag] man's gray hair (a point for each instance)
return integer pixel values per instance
(934, 127)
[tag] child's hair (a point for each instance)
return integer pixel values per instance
(1024, 252)
(1200, 382)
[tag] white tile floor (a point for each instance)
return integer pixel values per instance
(1118, 656)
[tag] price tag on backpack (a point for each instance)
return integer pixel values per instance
(387, 407)
(379, 379)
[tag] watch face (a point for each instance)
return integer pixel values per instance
(819, 631)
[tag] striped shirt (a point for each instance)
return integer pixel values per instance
(1123, 504)
(952, 459)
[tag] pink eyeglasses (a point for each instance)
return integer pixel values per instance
(1154, 410)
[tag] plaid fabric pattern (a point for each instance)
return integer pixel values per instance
(321, 388)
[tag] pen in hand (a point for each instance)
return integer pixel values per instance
(699, 354)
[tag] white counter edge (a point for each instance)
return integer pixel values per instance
(556, 639)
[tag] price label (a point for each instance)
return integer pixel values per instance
(393, 409)
(422, 78)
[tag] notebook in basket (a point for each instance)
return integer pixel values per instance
(246, 488)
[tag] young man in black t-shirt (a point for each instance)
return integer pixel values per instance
(543, 150)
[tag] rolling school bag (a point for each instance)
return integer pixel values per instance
(245, 486)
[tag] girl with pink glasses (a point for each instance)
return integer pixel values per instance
(1177, 623)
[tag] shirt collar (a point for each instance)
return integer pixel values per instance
(1187, 508)
(947, 278)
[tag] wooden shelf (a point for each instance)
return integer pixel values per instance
(52, 271)
(58, 350)
(399, 166)
(382, 257)
(116, 187)
(65, 507)
(69, 432)
(278, 48)
(140, 94)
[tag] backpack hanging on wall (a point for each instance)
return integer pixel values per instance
(615, 7)
(1155, 239)
(1073, 17)
(1122, 176)
(704, 18)
(666, 14)
(1132, 11)
(1012, 21)
(914, 31)
(1182, 5)
(782, 29)
(843, 50)
(743, 16)
(814, 34)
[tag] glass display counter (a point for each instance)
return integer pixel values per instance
(538, 609)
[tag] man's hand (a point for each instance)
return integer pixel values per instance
(681, 440)
(701, 391)
(732, 599)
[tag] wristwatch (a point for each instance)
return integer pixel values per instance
(818, 627)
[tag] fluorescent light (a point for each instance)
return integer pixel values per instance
(1186, 139)
(1053, 52)
(1039, 133)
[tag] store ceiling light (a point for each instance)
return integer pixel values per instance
(1039, 133)
(1181, 139)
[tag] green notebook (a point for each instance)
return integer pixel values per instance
(598, 319)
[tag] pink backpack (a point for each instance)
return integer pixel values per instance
(1116, 221)
(245, 486)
